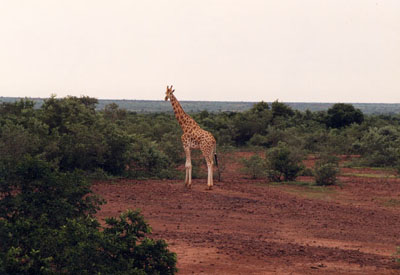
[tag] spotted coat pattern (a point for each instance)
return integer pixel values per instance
(193, 138)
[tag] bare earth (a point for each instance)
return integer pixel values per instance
(247, 226)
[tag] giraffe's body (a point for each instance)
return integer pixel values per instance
(193, 138)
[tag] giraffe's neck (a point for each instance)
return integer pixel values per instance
(184, 120)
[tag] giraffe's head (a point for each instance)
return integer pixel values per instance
(169, 93)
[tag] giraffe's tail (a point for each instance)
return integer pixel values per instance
(215, 155)
(216, 163)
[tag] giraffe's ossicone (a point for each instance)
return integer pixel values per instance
(193, 138)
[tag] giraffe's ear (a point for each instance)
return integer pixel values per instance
(172, 91)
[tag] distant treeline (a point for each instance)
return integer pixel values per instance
(158, 106)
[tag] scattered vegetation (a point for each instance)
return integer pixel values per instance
(49, 154)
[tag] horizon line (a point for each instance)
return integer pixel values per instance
(191, 100)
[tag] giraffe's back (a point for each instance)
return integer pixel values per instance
(198, 139)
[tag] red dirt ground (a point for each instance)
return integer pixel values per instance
(247, 226)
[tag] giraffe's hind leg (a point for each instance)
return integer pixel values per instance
(210, 174)
(188, 168)
(209, 160)
(208, 154)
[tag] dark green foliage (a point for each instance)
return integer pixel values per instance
(326, 174)
(260, 107)
(284, 163)
(59, 114)
(341, 115)
(126, 242)
(44, 192)
(146, 159)
(254, 167)
(255, 121)
(47, 227)
(71, 134)
(281, 110)
(248, 124)
(307, 172)
(326, 169)
(46, 206)
(380, 146)
(114, 113)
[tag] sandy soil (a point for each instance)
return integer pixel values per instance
(246, 226)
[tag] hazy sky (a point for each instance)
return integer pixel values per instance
(224, 50)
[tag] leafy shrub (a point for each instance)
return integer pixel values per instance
(380, 146)
(307, 172)
(47, 226)
(259, 140)
(326, 174)
(284, 162)
(171, 145)
(146, 160)
(326, 170)
(118, 145)
(254, 166)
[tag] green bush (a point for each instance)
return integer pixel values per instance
(380, 147)
(326, 169)
(47, 226)
(146, 160)
(259, 140)
(284, 163)
(326, 174)
(254, 166)
(307, 172)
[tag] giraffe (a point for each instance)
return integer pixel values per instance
(193, 138)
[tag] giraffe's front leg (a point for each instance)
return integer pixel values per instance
(188, 168)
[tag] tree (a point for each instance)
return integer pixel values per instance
(341, 115)
(47, 226)
(113, 112)
(59, 113)
(260, 107)
(249, 123)
(281, 110)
